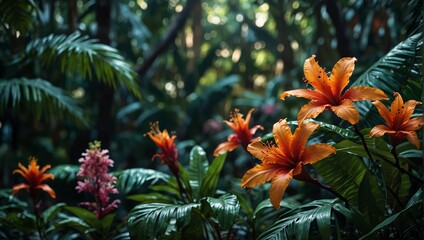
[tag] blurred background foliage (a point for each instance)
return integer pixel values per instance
(74, 71)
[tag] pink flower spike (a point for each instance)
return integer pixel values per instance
(97, 181)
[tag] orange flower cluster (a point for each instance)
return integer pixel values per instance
(35, 177)
(243, 135)
(284, 160)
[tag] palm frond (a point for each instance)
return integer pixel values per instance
(298, 223)
(149, 221)
(17, 15)
(85, 56)
(39, 98)
(392, 73)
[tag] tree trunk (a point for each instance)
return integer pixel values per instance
(343, 43)
(106, 93)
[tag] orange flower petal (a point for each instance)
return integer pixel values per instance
(413, 124)
(22, 173)
(411, 136)
(265, 152)
(310, 110)
(316, 76)
(304, 93)
(255, 128)
(19, 187)
(409, 107)
(45, 168)
(384, 112)
(397, 104)
(283, 136)
(346, 111)
(279, 184)
(225, 147)
(46, 176)
(300, 137)
(259, 174)
(380, 130)
(360, 93)
(48, 189)
(341, 73)
(317, 152)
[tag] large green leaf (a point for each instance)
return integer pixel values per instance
(200, 225)
(133, 179)
(149, 221)
(197, 169)
(226, 208)
(349, 176)
(391, 73)
(409, 212)
(210, 180)
(81, 55)
(101, 226)
(38, 97)
(66, 172)
(296, 224)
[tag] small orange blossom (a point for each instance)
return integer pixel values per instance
(281, 162)
(328, 93)
(35, 177)
(243, 135)
(169, 154)
(399, 125)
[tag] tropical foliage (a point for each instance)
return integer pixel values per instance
(305, 153)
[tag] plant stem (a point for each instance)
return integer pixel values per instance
(37, 217)
(364, 143)
(304, 176)
(397, 165)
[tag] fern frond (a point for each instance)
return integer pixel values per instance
(39, 98)
(85, 56)
(17, 15)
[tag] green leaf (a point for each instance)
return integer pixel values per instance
(343, 132)
(87, 216)
(148, 221)
(151, 198)
(199, 227)
(70, 223)
(79, 54)
(40, 98)
(51, 212)
(350, 177)
(210, 180)
(133, 179)
(66, 172)
(296, 224)
(267, 204)
(226, 209)
(197, 169)
(411, 209)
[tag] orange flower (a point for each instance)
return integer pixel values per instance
(35, 177)
(281, 162)
(328, 93)
(166, 143)
(243, 134)
(399, 124)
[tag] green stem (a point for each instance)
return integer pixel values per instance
(397, 165)
(37, 218)
(364, 144)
